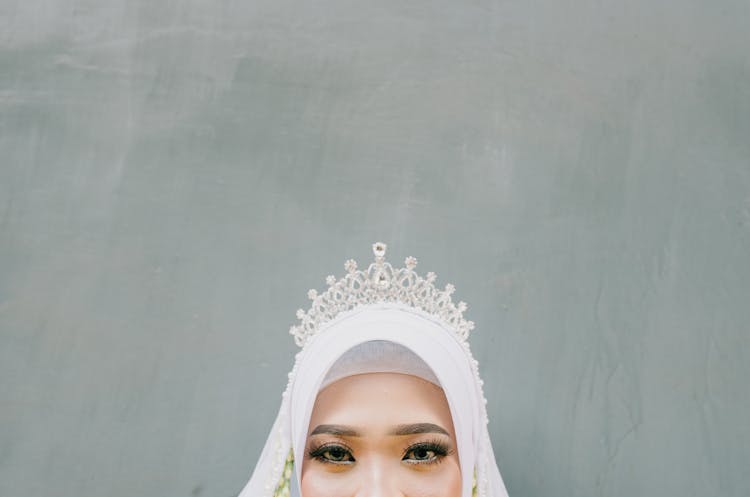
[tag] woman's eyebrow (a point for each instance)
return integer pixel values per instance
(417, 428)
(340, 430)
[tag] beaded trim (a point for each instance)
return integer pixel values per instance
(283, 489)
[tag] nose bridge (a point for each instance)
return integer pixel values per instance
(377, 480)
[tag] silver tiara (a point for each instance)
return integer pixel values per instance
(380, 283)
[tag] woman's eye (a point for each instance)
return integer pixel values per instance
(424, 453)
(333, 454)
(337, 454)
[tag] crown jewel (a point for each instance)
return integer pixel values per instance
(381, 282)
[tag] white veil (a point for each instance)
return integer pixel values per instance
(428, 338)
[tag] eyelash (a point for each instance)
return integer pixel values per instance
(439, 449)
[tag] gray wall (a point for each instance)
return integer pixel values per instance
(175, 175)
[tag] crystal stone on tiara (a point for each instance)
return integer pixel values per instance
(380, 283)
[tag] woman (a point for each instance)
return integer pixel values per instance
(384, 398)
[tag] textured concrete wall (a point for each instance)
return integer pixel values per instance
(175, 175)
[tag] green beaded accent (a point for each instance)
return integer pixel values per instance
(474, 489)
(283, 488)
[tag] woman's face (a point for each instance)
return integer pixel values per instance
(381, 435)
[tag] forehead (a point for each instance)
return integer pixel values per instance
(377, 401)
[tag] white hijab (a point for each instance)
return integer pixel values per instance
(431, 340)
